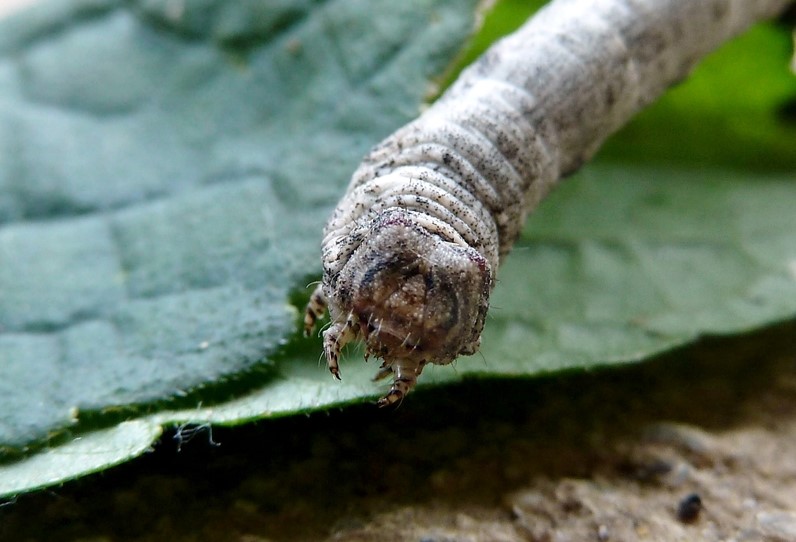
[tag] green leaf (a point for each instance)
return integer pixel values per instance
(80, 456)
(623, 262)
(164, 178)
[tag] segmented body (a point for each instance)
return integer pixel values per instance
(411, 251)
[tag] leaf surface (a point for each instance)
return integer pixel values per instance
(165, 173)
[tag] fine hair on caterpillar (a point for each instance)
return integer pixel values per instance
(411, 251)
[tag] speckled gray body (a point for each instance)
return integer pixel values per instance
(411, 251)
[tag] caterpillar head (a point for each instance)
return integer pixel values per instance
(412, 296)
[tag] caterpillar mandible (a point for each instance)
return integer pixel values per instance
(411, 251)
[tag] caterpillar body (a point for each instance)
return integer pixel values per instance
(410, 252)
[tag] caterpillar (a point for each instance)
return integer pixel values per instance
(411, 250)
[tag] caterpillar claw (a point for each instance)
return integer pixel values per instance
(405, 373)
(392, 397)
(334, 339)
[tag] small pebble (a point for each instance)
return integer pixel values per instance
(689, 508)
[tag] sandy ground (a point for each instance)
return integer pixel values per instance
(599, 456)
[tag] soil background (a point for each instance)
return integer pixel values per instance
(698, 444)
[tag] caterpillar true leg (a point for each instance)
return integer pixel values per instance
(334, 339)
(316, 308)
(406, 373)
